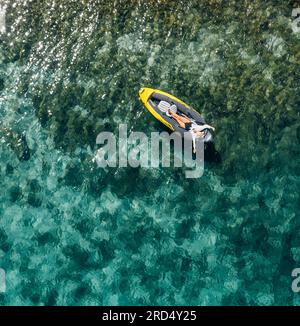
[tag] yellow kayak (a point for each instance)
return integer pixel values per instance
(160, 103)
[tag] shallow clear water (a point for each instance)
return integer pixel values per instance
(73, 234)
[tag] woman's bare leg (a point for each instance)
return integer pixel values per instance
(181, 120)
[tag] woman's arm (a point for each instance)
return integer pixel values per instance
(194, 141)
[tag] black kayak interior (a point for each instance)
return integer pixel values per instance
(183, 110)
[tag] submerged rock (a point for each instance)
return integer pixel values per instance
(17, 142)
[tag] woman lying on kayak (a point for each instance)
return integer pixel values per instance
(197, 131)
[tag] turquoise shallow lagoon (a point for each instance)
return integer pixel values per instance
(74, 234)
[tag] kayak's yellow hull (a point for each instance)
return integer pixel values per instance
(145, 94)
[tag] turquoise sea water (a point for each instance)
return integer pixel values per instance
(73, 234)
